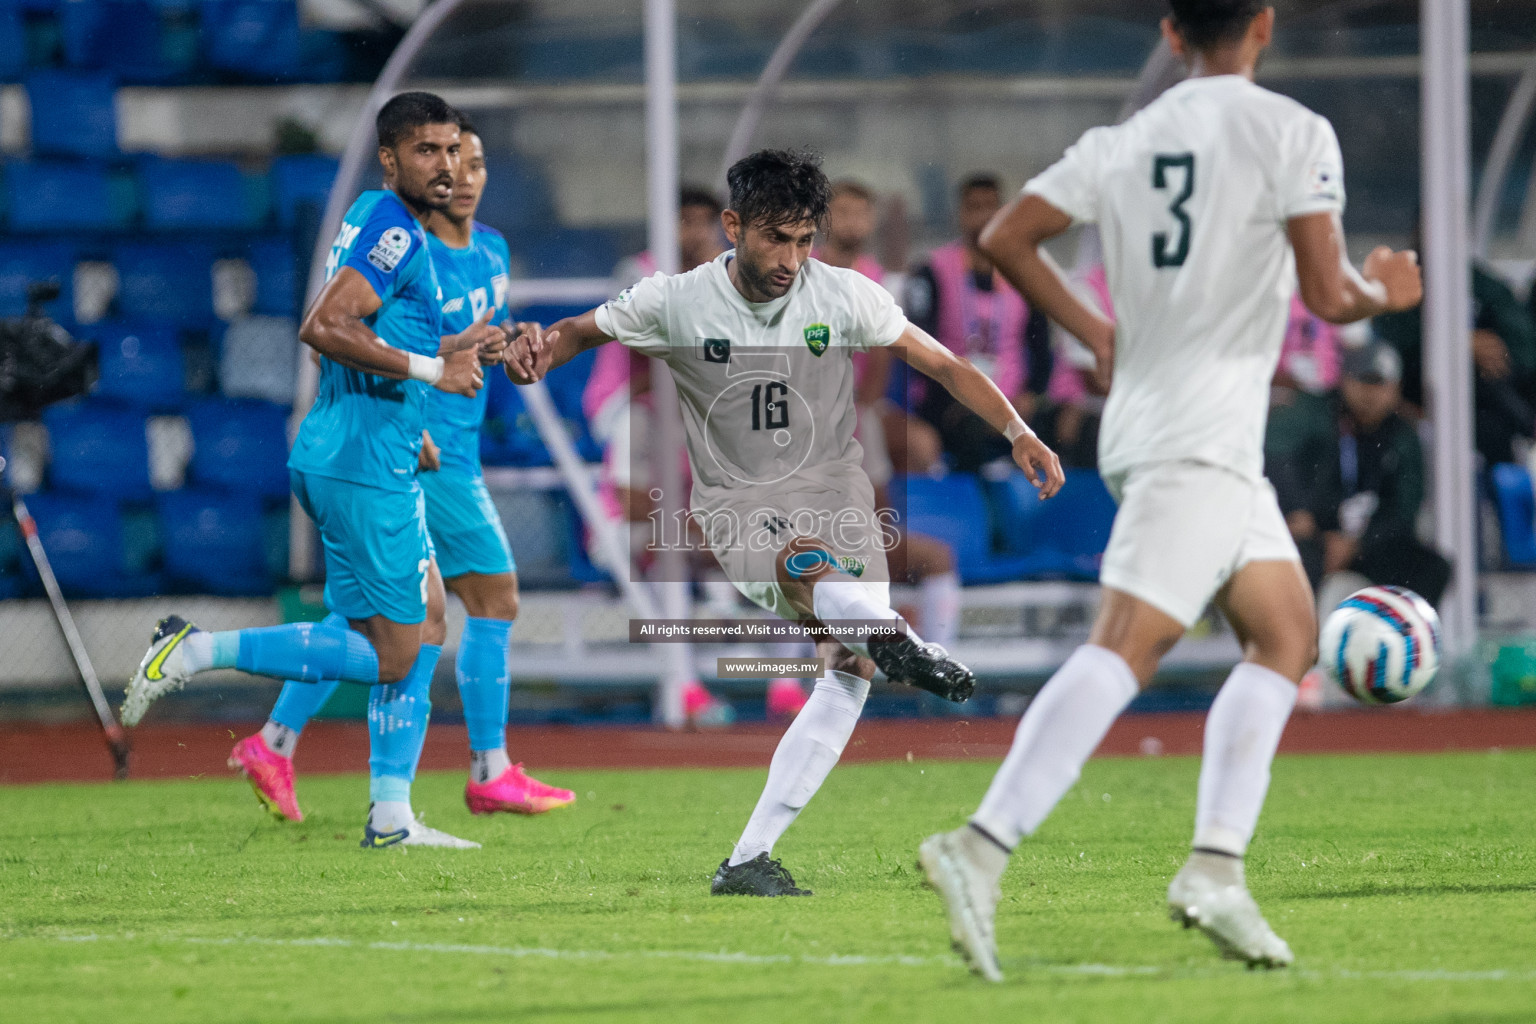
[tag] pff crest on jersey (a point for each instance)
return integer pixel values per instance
(817, 338)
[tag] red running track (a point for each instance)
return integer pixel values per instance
(74, 753)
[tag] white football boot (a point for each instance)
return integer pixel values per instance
(162, 670)
(412, 833)
(970, 898)
(1219, 904)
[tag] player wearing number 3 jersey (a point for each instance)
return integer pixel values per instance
(1209, 201)
(759, 342)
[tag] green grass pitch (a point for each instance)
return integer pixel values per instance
(1406, 885)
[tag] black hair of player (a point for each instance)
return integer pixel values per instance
(1207, 24)
(773, 187)
(408, 111)
(698, 195)
(980, 179)
(466, 126)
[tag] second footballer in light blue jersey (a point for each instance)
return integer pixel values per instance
(465, 527)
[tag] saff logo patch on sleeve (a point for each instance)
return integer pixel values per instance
(390, 249)
(1324, 181)
(817, 338)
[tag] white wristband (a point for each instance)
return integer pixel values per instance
(428, 369)
(1017, 429)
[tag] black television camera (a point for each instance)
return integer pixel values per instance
(40, 362)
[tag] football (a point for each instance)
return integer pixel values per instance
(1382, 644)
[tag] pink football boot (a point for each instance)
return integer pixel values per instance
(516, 792)
(270, 775)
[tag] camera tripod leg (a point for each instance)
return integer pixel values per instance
(117, 739)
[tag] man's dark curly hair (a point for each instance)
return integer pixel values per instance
(408, 111)
(778, 186)
(1208, 23)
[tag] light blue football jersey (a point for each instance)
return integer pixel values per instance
(365, 428)
(474, 279)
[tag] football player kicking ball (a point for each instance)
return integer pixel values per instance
(1202, 198)
(378, 326)
(467, 537)
(759, 341)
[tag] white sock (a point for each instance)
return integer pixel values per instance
(390, 815)
(1060, 729)
(1241, 734)
(197, 651)
(485, 765)
(279, 739)
(841, 597)
(810, 747)
(939, 600)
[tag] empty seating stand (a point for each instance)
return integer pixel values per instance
(1517, 513)
(83, 535)
(165, 282)
(182, 195)
(240, 446)
(213, 542)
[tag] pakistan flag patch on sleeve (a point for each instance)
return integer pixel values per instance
(817, 338)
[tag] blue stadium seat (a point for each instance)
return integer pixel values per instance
(214, 543)
(98, 447)
(240, 445)
(256, 38)
(51, 196)
(13, 43)
(73, 113)
(165, 283)
(193, 194)
(298, 181)
(277, 282)
(567, 252)
(953, 510)
(517, 199)
(146, 42)
(141, 366)
(22, 263)
(1517, 513)
(1065, 536)
(84, 540)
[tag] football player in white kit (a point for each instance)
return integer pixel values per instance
(760, 341)
(1211, 201)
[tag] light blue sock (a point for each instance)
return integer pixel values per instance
(397, 728)
(305, 651)
(299, 702)
(484, 681)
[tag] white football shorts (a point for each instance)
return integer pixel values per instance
(1185, 528)
(746, 537)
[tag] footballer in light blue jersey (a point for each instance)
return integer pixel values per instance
(365, 428)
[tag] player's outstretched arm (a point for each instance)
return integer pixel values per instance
(1012, 241)
(534, 352)
(334, 328)
(1330, 285)
(975, 390)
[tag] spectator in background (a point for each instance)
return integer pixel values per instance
(963, 302)
(1372, 488)
(1503, 358)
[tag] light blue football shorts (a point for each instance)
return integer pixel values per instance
(376, 546)
(465, 526)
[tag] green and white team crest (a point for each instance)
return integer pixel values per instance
(848, 563)
(817, 338)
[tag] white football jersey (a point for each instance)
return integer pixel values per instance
(766, 388)
(1191, 196)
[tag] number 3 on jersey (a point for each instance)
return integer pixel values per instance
(1162, 254)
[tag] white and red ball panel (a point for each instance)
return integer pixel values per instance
(1382, 644)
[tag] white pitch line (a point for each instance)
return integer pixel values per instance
(834, 960)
